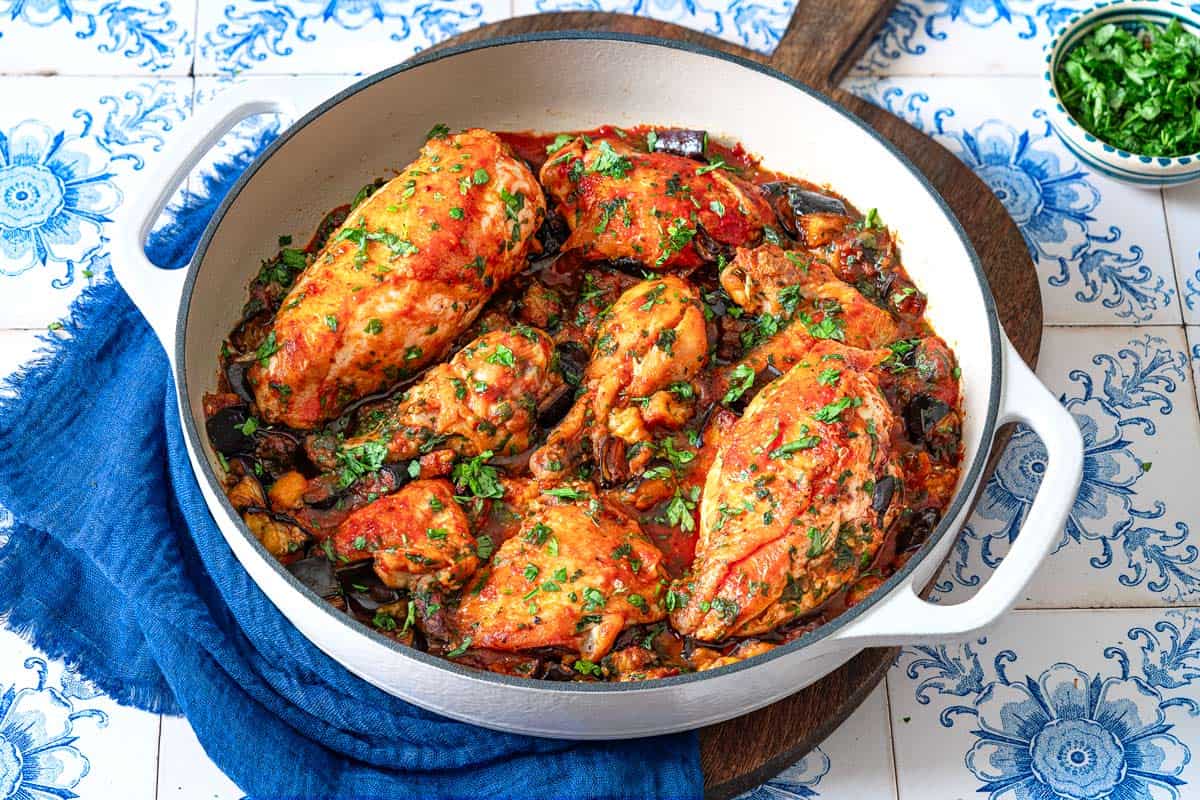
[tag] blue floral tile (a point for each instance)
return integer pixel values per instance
(1183, 223)
(68, 150)
(966, 37)
(61, 738)
(97, 37)
(1128, 540)
(755, 24)
(1100, 246)
(1065, 705)
(329, 36)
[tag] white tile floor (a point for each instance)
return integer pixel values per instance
(1120, 273)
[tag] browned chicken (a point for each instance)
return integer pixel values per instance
(486, 397)
(652, 336)
(577, 573)
(862, 253)
(662, 210)
(793, 285)
(797, 501)
(419, 530)
(399, 280)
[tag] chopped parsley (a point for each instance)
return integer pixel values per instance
(355, 462)
(478, 477)
(678, 236)
(609, 162)
(785, 450)
(833, 411)
(268, 348)
(460, 649)
(740, 380)
(502, 356)
(1136, 87)
(829, 376)
(560, 141)
(566, 493)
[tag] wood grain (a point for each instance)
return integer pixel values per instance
(824, 39)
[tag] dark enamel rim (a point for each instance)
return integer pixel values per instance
(970, 480)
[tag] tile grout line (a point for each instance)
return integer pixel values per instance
(195, 39)
(158, 758)
(1162, 199)
(891, 728)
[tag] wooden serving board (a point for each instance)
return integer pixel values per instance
(823, 41)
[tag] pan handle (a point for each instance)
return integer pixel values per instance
(905, 618)
(155, 291)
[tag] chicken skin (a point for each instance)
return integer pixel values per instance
(793, 285)
(653, 208)
(652, 336)
(408, 271)
(486, 397)
(577, 573)
(797, 500)
(418, 531)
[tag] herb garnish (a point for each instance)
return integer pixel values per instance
(1136, 88)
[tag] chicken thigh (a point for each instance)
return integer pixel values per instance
(486, 397)
(661, 210)
(577, 573)
(408, 271)
(420, 530)
(797, 500)
(793, 285)
(652, 336)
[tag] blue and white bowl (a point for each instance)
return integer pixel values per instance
(1120, 164)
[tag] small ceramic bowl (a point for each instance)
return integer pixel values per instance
(1101, 156)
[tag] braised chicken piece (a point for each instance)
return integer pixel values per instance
(653, 336)
(408, 271)
(791, 285)
(419, 530)
(577, 573)
(660, 210)
(798, 499)
(486, 397)
(863, 254)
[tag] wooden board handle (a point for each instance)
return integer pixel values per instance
(825, 38)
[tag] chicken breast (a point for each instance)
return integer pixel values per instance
(486, 397)
(797, 500)
(654, 208)
(405, 274)
(577, 573)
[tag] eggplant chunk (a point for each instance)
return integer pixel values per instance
(681, 142)
(226, 431)
(921, 415)
(791, 201)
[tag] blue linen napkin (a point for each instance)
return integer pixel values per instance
(115, 564)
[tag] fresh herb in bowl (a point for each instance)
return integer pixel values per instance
(1136, 88)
